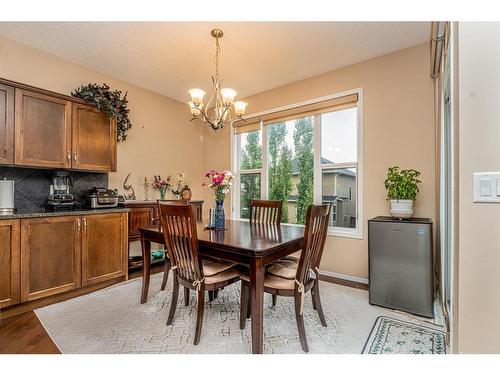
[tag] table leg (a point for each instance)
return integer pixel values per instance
(257, 304)
(146, 268)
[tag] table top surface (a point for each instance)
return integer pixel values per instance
(242, 236)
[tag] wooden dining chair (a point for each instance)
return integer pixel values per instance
(168, 265)
(189, 269)
(265, 211)
(285, 279)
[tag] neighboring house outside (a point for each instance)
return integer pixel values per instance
(339, 189)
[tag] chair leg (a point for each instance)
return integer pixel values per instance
(186, 296)
(300, 324)
(216, 293)
(210, 295)
(199, 315)
(249, 305)
(317, 302)
(173, 303)
(313, 299)
(245, 296)
(275, 298)
(165, 274)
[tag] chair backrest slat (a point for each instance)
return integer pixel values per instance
(265, 211)
(314, 241)
(179, 228)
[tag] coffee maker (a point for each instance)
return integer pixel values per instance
(60, 197)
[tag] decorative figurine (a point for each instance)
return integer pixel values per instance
(130, 195)
(146, 185)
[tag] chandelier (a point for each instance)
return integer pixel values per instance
(217, 111)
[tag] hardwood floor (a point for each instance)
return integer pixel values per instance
(24, 334)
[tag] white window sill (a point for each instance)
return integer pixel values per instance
(334, 232)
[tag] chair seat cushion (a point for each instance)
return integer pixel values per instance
(272, 281)
(285, 268)
(276, 282)
(212, 267)
(222, 276)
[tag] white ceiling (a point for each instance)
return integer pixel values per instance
(171, 57)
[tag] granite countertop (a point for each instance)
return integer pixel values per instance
(89, 211)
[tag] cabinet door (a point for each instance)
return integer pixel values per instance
(104, 247)
(94, 140)
(6, 124)
(140, 217)
(10, 263)
(50, 256)
(42, 130)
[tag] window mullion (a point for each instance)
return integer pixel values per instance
(265, 164)
(317, 180)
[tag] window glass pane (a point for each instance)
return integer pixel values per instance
(251, 150)
(338, 136)
(291, 167)
(339, 190)
(249, 189)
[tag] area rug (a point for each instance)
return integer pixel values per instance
(393, 336)
(112, 320)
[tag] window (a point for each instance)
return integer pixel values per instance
(303, 155)
(250, 170)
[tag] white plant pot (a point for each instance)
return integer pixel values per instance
(401, 208)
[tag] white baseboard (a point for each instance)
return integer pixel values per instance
(342, 276)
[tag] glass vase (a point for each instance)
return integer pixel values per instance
(163, 191)
(219, 215)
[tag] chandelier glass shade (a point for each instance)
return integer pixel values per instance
(217, 110)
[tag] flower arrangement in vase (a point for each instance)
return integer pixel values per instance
(221, 183)
(161, 185)
(178, 184)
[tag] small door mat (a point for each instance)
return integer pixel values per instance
(393, 336)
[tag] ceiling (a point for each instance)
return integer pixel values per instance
(171, 57)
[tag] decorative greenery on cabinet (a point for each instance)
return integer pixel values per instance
(110, 102)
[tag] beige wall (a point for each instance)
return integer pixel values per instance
(479, 223)
(162, 139)
(398, 129)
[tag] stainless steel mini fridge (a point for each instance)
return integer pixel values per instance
(401, 264)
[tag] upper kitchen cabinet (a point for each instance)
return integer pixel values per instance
(6, 124)
(42, 130)
(94, 140)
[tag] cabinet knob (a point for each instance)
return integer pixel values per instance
(74, 156)
(69, 155)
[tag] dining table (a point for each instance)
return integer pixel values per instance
(253, 245)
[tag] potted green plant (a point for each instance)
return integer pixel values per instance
(402, 189)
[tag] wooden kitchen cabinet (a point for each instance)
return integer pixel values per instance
(94, 140)
(104, 247)
(141, 216)
(6, 124)
(10, 263)
(42, 130)
(50, 256)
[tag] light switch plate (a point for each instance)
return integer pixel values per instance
(486, 187)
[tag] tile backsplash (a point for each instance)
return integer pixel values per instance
(32, 185)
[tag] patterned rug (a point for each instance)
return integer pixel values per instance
(112, 320)
(393, 336)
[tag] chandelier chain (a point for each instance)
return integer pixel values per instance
(216, 58)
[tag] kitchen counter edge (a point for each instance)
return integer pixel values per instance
(28, 215)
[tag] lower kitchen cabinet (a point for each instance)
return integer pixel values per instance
(50, 256)
(104, 247)
(10, 263)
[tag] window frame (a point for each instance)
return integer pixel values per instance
(355, 233)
